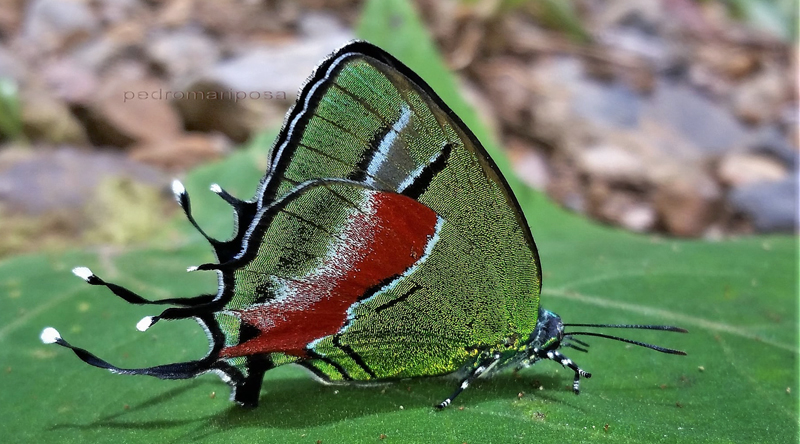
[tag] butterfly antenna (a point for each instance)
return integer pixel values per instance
(633, 326)
(570, 335)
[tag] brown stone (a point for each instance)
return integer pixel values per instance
(739, 169)
(131, 110)
(47, 119)
(761, 98)
(687, 204)
(529, 164)
(58, 24)
(182, 152)
(176, 13)
(11, 13)
(508, 88)
(626, 209)
(612, 163)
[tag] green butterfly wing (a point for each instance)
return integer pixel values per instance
(358, 284)
(365, 117)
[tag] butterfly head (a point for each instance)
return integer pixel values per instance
(550, 335)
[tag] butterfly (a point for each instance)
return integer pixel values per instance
(383, 243)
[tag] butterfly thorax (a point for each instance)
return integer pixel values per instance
(545, 337)
(548, 333)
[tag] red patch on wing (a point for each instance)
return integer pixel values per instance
(375, 246)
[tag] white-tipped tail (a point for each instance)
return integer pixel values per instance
(50, 335)
(83, 273)
(192, 268)
(145, 323)
(178, 188)
(215, 188)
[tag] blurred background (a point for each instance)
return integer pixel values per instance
(676, 117)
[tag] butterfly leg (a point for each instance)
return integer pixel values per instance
(246, 393)
(555, 355)
(484, 365)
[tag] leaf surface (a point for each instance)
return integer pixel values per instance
(738, 298)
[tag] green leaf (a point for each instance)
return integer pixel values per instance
(778, 17)
(738, 298)
(10, 112)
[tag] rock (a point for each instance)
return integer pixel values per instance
(70, 81)
(183, 152)
(670, 150)
(630, 147)
(761, 98)
(48, 180)
(707, 125)
(734, 62)
(790, 123)
(772, 206)
(626, 209)
(11, 15)
(687, 204)
(97, 54)
(738, 169)
(57, 197)
(53, 24)
(703, 20)
(320, 26)
(611, 163)
(638, 42)
(116, 11)
(641, 14)
(175, 14)
(566, 185)
(47, 119)
(211, 107)
(612, 104)
(183, 54)
(254, 88)
(504, 79)
(10, 66)
(551, 109)
(252, 19)
(523, 36)
(272, 68)
(712, 84)
(529, 164)
(479, 101)
(101, 53)
(639, 217)
(772, 142)
(129, 109)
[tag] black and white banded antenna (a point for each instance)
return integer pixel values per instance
(569, 335)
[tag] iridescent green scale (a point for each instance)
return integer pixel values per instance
(383, 243)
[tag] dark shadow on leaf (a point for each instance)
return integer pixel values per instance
(297, 403)
(111, 421)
